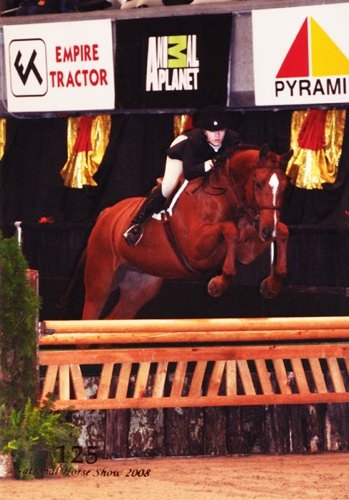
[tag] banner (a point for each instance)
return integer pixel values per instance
(301, 55)
(171, 63)
(65, 66)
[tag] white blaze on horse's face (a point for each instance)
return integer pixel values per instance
(274, 184)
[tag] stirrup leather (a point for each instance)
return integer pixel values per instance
(133, 235)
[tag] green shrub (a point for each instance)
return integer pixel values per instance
(19, 306)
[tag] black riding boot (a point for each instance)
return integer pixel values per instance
(153, 204)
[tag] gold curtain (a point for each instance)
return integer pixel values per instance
(181, 123)
(87, 140)
(316, 139)
(2, 136)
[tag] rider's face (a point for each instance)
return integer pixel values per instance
(215, 137)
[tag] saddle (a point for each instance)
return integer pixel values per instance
(168, 209)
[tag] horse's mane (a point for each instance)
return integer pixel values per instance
(244, 147)
(206, 181)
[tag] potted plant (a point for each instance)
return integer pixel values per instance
(34, 436)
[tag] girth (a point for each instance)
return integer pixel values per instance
(165, 219)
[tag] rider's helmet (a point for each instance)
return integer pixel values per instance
(214, 118)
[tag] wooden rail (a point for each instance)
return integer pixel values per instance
(196, 362)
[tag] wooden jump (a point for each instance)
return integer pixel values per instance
(195, 362)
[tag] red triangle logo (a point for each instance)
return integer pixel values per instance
(296, 62)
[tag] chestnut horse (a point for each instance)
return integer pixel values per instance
(230, 215)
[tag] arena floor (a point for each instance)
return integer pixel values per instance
(296, 477)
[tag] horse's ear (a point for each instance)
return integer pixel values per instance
(264, 150)
(292, 173)
(285, 158)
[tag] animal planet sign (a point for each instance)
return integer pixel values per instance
(174, 62)
(59, 66)
(301, 55)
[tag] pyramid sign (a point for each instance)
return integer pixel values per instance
(301, 55)
(313, 54)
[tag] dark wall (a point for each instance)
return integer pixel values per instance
(31, 187)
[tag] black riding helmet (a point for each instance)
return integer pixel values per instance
(214, 118)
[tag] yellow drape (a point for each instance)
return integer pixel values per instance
(317, 167)
(2, 136)
(81, 166)
(181, 123)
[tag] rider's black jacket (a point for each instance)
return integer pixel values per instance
(195, 150)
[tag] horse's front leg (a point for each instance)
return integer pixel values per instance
(271, 286)
(219, 284)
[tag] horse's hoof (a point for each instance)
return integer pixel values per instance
(216, 286)
(269, 289)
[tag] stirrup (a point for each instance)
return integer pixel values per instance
(133, 235)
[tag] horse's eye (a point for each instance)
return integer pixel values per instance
(259, 184)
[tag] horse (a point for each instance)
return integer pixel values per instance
(229, 215)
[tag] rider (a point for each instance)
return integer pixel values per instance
(193, 153)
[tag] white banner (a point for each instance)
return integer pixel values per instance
(65, 66)
(301, 55)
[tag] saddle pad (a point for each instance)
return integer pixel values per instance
(169, 210)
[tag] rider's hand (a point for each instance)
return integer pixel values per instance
(209, 164)
(222, 157)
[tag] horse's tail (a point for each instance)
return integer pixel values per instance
(71, 303)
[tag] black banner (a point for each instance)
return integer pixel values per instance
(172, 63)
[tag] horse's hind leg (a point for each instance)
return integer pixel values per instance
(95, 299)
(99, 282)
(136, 290)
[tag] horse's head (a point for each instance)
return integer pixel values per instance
(253, 181)
(266, 186)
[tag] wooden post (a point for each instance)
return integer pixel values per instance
(33, 280)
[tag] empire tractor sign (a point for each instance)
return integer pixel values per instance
(79, 77)
(305, 60)
(59, 66)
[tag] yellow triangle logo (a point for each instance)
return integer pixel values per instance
(327, 58)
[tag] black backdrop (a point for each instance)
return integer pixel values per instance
(31, 187)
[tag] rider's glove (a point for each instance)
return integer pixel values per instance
(222, 157)
(209, 164)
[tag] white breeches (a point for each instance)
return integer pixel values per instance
(173, 171)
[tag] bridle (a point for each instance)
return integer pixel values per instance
(251, 213)
(254, 180)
